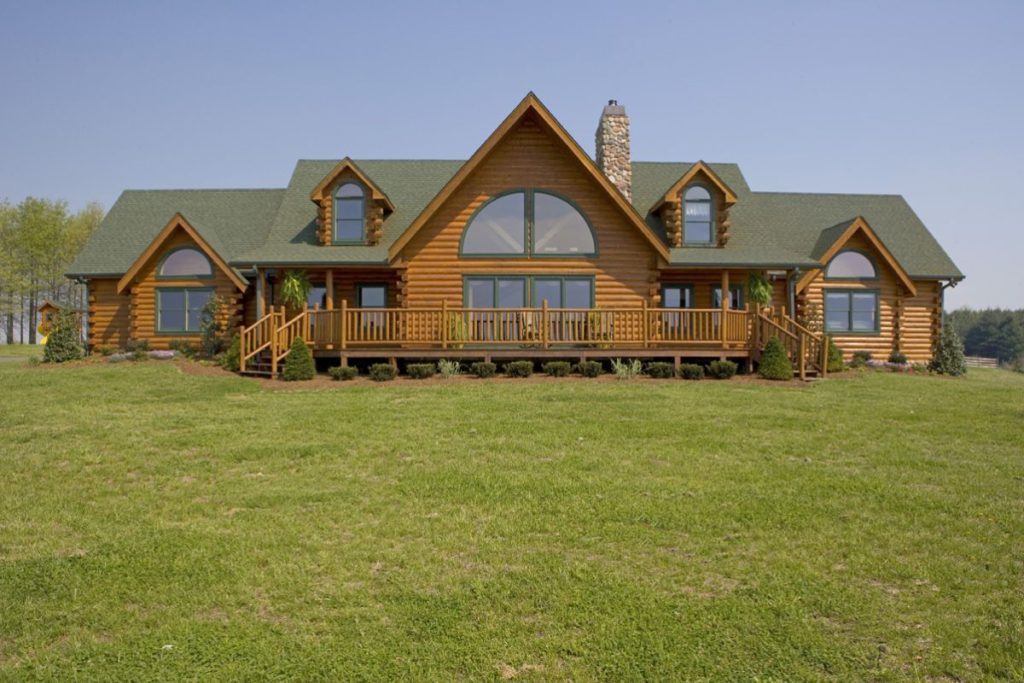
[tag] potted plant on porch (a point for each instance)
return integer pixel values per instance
(295, 288)
(759, 290)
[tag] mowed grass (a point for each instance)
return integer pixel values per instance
(161, 525)
(21, 350)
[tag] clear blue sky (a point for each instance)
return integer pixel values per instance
(921, 99)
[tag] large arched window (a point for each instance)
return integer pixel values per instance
(508, 223)
(697, 215)
(349, 213)
(186, 262)
(851, 265)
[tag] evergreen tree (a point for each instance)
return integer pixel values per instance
(835, 356)
(949, 356)
(775, 363)
(63, 343)
(231, 360)
(298, 364)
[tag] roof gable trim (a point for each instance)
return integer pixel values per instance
(319, 192)
(859, 225)
(698, 169)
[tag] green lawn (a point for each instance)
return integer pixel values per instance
(20, 350)
(159, 525)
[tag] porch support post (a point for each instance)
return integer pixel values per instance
(329, 286)
(725, 305)
(261, 293)
(343, 327)
(444, 324)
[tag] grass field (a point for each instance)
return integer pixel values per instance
(161, 525)
(20, 350)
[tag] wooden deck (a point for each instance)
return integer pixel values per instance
(543, 332)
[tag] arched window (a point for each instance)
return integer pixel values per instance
(851, 265)
(186, 262)
(558, 228)
(349, 213)
(549, 224)
(697, 220)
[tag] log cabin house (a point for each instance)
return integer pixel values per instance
(530, 248)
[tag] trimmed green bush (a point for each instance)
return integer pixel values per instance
(860, 359)
(519, 368)
(183, 347)
(949, 356)
(589, 368)
(298, 364)
(721, 369)
(775, 363)
(626, 369)
(140, 354)
(557, 368)
(835, 357)
(134, 345)
(897, 357)
(343, 373)
(64, 343)
(483, 369)
(691, 371)
(420, 370)
(383, 372)
(661, 370)
(232, 358)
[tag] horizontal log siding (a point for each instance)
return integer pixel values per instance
(142, 321)
(907, 323)
(108, 314)
(529, 157)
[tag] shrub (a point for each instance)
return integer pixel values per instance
(343, 373)
(661, 370)
(232, 358)
(64, 343)
(721, 369)
(210, 330)
(106, 350)
(626, 369)
(691, 371)
(34, 361)
(835, 356)
(184, 347)
(137, 345)
(519, 368)
(420, 370)
(383, 372)
(448, 368)
(860, 359)
(775, 363)
(483, 369)
(897, 357)
(298, 364)
(589, 368)
(140, 354)
(557, 368)
(949, 356)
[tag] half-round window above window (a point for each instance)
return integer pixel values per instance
(349, 213)
(187, 262)
(851, 265)
(697, 221)
(558, 228)
(498, 228)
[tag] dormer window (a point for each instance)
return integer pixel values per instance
(186, 263)
(697, 221)
(349, 213)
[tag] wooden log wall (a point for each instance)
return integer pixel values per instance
(108, 314)
(325, 213)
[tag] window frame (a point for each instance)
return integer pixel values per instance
(160, 266)
(360, 286)
(732, 288)
(872, 261)
(528, 280)
(561, 279)
(334, 213)
(212, 291)
(849, 292)
(687, 287)
(712, 236)
(529, 227)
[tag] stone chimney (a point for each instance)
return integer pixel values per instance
(613, 147)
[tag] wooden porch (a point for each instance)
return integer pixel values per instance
(543, 332)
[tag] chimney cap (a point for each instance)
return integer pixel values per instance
(613, 108)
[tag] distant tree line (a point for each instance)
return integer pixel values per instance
(991, 333)
(39, 238)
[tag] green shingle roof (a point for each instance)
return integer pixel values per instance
(277, 227)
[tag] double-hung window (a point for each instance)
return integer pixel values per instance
(179, 309)
(851, 311)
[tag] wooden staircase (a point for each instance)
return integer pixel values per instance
(807, 350)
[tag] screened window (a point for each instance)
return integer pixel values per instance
(549, 224)
(186, 262)
(697, 220)
(179, 309)
(498, 228)
(677, 296)
(349, 213)
(558, 228)
(851, 311)
(851, 265)
(735, 297)
(373, 296)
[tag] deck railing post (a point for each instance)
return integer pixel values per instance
(544, 323)
(802, 363)
(343, 327)
(647, 331)
(241, 348)
(444, 324)
(824, 356)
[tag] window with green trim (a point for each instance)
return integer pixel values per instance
(179, 309)
(677, 296)
(735, 297)
(851, 265)
(853, 311)
(563, 292)
(549, 224)
(513, 291)
(186, 262)
(372, 296)
(349, 213)
(697, 215)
